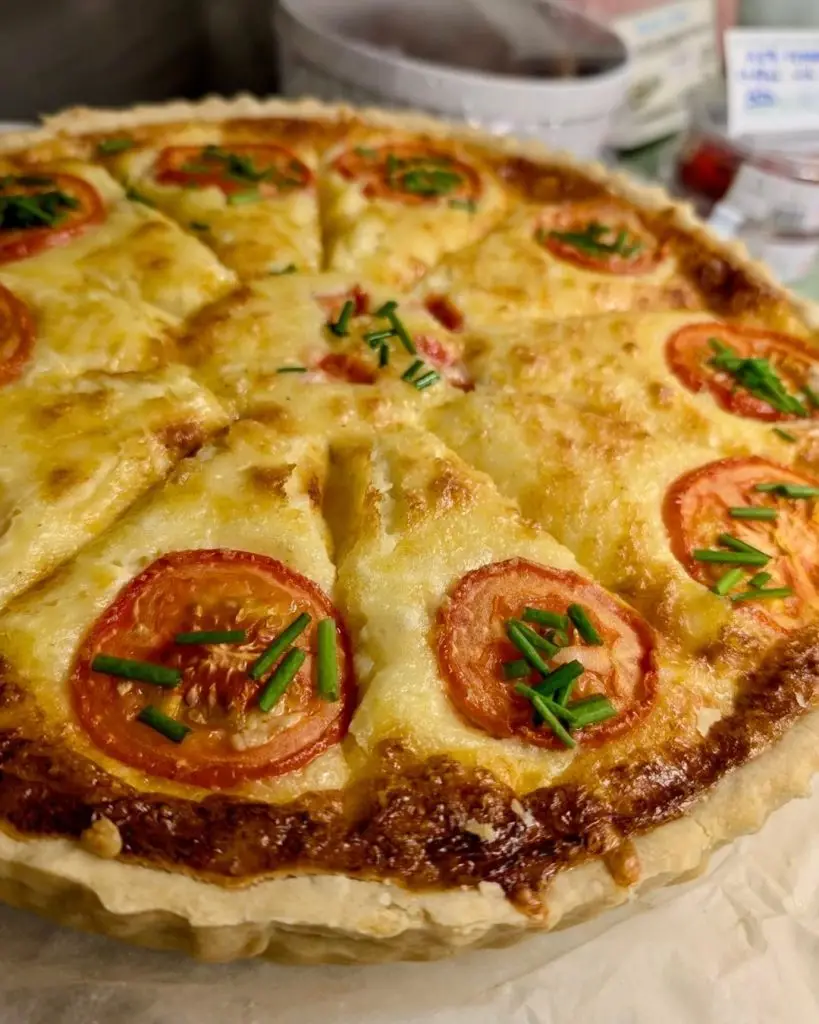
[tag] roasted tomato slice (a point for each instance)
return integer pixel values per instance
(41, 210)
(472, 647)
(231, 739)
(272, 170)
(691, 349)
(697, 512)
(600, 235)
(16, 336)
(411, 173)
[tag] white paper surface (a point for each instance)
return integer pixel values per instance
(739, 946)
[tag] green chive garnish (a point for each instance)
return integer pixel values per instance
(199, 225)
(583, 625)
(752, 512)
(526, 648)
(557, 636)
(426, 379)
(757, 376)
(812, 397)
(410, 372)
(143, 671)
(137, 197)
(735, 544)
(731, 557)
(535, 639)
(283, 676)
(291, 268)
(543, 708)
(562, 676)
(279, 646)
(760, 579)
(463, 204)
(784, 435)
(292, 369)
(327, 660)
(374, 338)
(251, 195)
(388, 307)
(400, 331)
(212, 636)
(590, 710)
(728, 581)
(366, 152)
(106, 147)
(341, 327)
(516, 669)
(761, 593)
(798, 491)
(551, 619)
(162, 723)
(383, 356)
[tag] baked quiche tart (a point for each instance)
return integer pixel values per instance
(409, 539)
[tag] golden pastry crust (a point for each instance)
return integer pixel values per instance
(347, 474)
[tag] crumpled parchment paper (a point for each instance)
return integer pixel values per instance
(737, 946)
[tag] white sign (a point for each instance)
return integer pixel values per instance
(773, 80)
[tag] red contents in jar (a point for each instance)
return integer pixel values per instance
(707, 168)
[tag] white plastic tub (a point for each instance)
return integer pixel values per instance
(354, 50)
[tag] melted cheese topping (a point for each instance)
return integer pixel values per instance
(250, 492)
(108, 298)
(415, 519)
(75, 454)
(253, 238)
(509, 275)
(390, 241)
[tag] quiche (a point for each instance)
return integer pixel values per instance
(409, 539)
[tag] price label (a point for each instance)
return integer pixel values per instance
(773, 81)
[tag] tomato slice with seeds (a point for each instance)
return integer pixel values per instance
(696, 512)
(411, 173)
(689, 351)
(231, 739)
(42, 210)
(272, 170)
(600, 235)
(472, 647)
(16, 336)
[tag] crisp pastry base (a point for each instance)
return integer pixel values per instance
(332, 918)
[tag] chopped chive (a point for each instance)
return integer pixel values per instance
(559, 677)
(767, 488)
(735, 544)
(728, 581)
(812, 397)
(426, 379)
(784, 435)
(157, 720)
(388, 307)
(789, 490)
(762, 593)
(535, 639)
(752, 512)
(383, 356)
(199, 225)
(365, 151)
(557, 636)
(137, 197)
(590, 710)
(106, 147)
(327, 660)
(545, 711)
(401, 333)
(526, 648)
(545, 618)
(291, 268)
(341, 327)
(760, 579)
(582, 623)
(251, 195)
(275, 649)
(283, 676)
(143, 671)
(463, 204)
(292, 369)
(731, 557)
(410, 372)
(374, 337)
(212, 636)
(516, 669)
